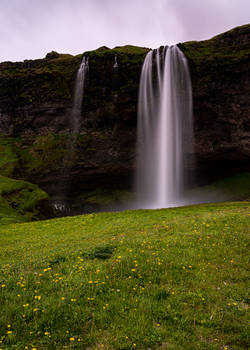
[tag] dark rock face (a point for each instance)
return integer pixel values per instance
(36, 102)
(220, 74)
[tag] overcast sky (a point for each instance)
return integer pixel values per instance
(31, 28)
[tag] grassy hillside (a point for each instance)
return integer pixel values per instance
(162, 279)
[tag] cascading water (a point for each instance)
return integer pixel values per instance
(78, 95)
(66, 176)
(77, 107)
(165, 129)
(115, 66)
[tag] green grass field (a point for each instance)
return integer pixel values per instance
(146, 279)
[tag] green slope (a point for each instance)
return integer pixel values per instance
(158, 279)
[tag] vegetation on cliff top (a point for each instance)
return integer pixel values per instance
(160, 279)
(30, 82)
(52, 78)
(226, 49)
(122, 50)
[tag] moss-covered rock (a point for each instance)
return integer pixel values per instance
(231, 188)
(38, 94)
(22, 201)
(9, 161)
(78, 172)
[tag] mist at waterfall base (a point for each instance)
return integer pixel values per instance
(164, 131)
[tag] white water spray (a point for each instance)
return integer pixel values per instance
(165, 129)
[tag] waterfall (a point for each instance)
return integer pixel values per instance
(115, 66)
(65, 183)
(78, 95)
(77, 108)
(165, 129)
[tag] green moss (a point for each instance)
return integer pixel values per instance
(52, 79)
(222, 50)
(103, 197)
(46, 151)
(8, 157)
(127, 50)
(231, 188)
(131, 49)
(55, 55)
(54, 151)
(21, 201)
(36, 81)
(237, 186)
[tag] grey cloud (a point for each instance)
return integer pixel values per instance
(203, 19)
(31, 28)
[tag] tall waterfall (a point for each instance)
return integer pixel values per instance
(165, 128)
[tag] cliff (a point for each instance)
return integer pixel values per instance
(36, 103)
(220, 74)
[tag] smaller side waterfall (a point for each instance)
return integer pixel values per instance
(165, 128)
(115, 66)
(115, 82)
(64, 186)
(78, 95)
(77, 105)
